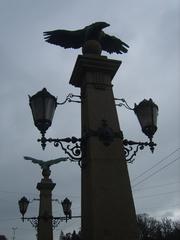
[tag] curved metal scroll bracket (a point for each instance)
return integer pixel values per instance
(33, 221)
(128, 147)
(122, 102)
(75, 147)
(69, 98)
(55, 220)
(70, 145)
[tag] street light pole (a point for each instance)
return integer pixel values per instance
(45, 230)
(107, 204)
(108, 210)
(14, 232)
(45, 222)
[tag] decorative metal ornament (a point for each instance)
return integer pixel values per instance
(70, 145)
(69, 98)
(128, 148)
(105, 134)
(122, 102)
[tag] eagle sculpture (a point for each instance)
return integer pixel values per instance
(78, 38)
(45, 165)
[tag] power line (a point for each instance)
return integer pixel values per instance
(155, 195)
(153, 208)
(9, 219)
(4, 191)
(163, 159)
(35, 194)
(156, 186)
(160, 169)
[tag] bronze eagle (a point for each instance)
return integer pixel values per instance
(77, 38)
(45, 165)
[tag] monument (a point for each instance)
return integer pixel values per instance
(108, 211)
(45, 230)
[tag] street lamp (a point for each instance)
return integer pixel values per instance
(66, 205)
(23, 205)
(43, 106)
(146, 112)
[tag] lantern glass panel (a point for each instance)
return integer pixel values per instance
(50, 106)
(37, 108)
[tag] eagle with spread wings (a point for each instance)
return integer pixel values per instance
(45, 165)
(77, 38)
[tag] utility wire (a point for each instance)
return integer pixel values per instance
(156, 186)
(160, 169)
(146, 209)
(155, 195)
(163, 159)
(37, 194)
(9, 219)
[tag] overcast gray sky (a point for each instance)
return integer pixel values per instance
(149, 70)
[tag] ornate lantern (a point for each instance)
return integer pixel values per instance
(146, 113)
(66, 205)
(23, 205)
(43, 106)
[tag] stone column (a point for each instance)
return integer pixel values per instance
(108, 211)
(45, 231)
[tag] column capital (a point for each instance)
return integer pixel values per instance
(92, 63)
(45, 186)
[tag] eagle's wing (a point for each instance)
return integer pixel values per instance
(57, 160)
(112, 44)
(34, 160)
(65, 38)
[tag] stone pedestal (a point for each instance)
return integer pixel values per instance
(108, 211)
(45, 231)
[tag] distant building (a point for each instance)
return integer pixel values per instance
(2, 237)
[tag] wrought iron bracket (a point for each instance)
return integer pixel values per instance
(122, 102)
(128, 147)
(32, 220)
(55, 220)
(73, 146)
(70, 145)
(107, 136)
(69, 98)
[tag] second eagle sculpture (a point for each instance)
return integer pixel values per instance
(45, 165)
(77, 39)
